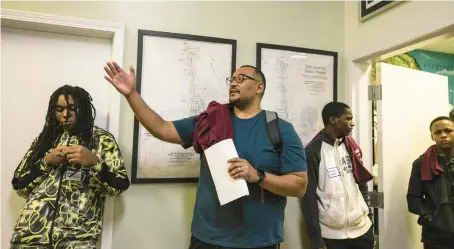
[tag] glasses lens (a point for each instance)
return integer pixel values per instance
(239, 78)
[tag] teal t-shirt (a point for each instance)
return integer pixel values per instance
(245, 222)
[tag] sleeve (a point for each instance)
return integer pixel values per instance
(110, 171)
(293, 156)
(309, 202)
(415, 195)
(364, 189)
(29, 175)
(185, 129)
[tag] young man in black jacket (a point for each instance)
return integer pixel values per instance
(431, 187)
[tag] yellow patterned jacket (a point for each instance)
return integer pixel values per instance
(65, 203)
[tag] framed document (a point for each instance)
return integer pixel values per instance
(370, 8)
(299, 82)
(178, 75)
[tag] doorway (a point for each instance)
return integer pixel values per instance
(39, 54)
(412, 57)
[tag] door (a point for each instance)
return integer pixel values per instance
(411, 99)
(34, 64)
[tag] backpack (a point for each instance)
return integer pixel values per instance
(272, 129)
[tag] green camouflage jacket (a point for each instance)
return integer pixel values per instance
(65, 203)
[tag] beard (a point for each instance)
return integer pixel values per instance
(240, 103)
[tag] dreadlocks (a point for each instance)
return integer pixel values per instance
(85, 113)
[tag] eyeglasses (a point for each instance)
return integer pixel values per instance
(239, 79)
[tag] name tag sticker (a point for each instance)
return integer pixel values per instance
(333, 172)
(74, 175)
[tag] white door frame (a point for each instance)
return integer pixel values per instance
(359, 74)
(90, 28)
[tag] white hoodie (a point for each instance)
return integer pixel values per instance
(333, 207)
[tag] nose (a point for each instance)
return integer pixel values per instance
(233, 83)
(352, 124)
(66, 113)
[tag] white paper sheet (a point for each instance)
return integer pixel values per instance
(227, 188)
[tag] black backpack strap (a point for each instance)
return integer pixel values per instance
(272, 128)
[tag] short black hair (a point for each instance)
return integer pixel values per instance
(451, 114)
(260, 73)
(439, 119)
(333, 109)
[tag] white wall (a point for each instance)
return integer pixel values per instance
(1, 182)
(401, 23)
(159, 216)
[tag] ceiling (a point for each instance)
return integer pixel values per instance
(443, 46)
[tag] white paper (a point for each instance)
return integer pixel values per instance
(227, 188)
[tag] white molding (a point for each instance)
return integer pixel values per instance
(76, 26)
(38, 21)
(362, 108)
(1, 168)
(412, 44)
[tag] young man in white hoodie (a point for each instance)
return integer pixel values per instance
(334, 207)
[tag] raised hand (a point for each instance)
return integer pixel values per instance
(123, 82)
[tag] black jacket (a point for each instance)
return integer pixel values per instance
(433, 200)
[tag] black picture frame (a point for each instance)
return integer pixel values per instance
(261, 46)
(371, 8)
(135, 179)
(306, 134)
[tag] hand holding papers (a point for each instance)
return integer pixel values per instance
(227, 188)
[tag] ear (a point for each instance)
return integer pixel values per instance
(432, 137)
(260, 88)
(332, 120)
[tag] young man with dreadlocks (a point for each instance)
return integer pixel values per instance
(66, 175)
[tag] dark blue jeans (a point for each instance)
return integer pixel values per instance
(197, 244)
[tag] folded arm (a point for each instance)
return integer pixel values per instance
(291, 184)
(110, 170)
(29, 175)
(364, 189)
(415, 196)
